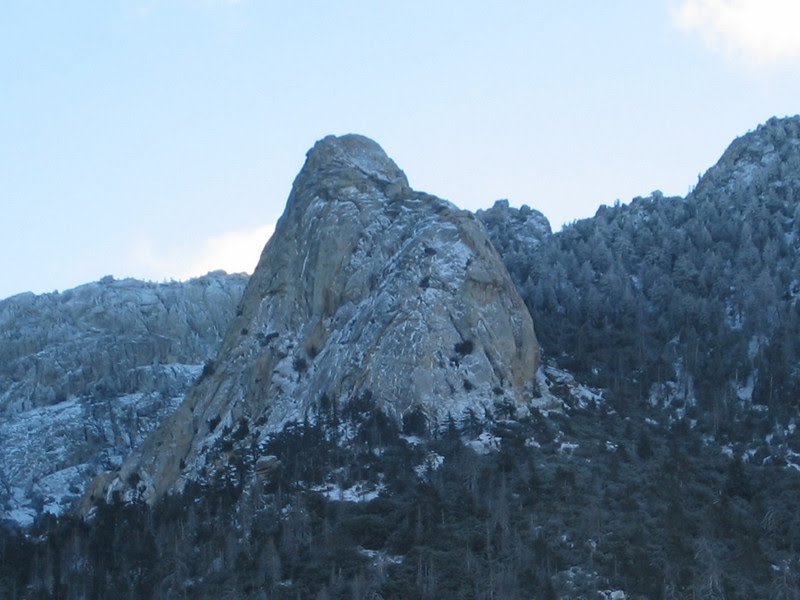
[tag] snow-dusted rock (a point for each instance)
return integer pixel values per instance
(366, 289)
(109, 337)
(515, 232)
(756, 163)
(87, 374)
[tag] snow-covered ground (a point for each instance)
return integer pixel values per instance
(49, 455)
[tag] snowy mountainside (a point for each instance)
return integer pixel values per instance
(105, 335)
(657, 454)
(86, 374)
(688, 304)
(762, 163)
(367, 289)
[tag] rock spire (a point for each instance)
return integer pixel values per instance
(367, 289)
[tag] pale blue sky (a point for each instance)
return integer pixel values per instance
(159, 138)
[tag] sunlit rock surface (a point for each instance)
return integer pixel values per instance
(366, 289)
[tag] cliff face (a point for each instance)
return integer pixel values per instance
(110, 337)
(366, 289)
(87, 374)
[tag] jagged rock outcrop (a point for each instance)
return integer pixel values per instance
(87, 374)
(514, 231)
(366, 289)
(763, 161)
(110, 337)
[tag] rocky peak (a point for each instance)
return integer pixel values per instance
(514, 231)
(367, 289)
(761, 160)
(350, 155)
(336, 163)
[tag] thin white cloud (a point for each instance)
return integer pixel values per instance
(756, 32)
(232, 251)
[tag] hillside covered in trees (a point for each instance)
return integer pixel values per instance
(688, 303)
(663, 460)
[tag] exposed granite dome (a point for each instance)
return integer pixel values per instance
(366, 288)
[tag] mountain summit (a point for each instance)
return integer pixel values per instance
(763, 161)
(367, 291)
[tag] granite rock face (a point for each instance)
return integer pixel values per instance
(87, 374)
(110, 337)
(366, 289)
